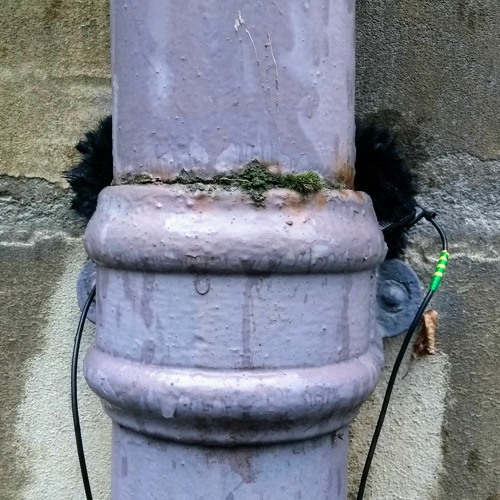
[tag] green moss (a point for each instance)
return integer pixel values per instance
(143, 178)
(255, 180)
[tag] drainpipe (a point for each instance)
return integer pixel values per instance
(234, 343)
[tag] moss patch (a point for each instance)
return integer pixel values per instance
(254, 180)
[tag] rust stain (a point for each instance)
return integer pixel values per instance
(201, 200)
(319, 199)
(344, 175)
(292, 203)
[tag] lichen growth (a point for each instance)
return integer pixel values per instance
(254, 180)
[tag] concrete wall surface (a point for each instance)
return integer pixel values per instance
(432, 70)
(429, 69)
(54, 83)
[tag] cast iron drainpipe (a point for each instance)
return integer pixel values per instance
(234, 344)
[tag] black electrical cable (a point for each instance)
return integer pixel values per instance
(74, 394)
(438, 228)
(390, 386)
(388, 392)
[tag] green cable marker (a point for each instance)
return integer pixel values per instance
(440, 270)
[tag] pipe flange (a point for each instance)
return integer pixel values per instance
(399, 294)
(236, 407)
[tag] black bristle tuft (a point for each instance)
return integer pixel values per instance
(381, 171)
(95, 169)
(384, 174)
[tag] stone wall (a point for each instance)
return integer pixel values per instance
(54, 83)
(431, 70)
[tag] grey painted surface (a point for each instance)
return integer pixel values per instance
(399, 294)
(271, 344)
(205, 473)
(218, 84)
(179, 228)
(220, 323)
(431, 66)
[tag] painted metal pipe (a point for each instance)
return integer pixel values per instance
(234, 343)
(208, 86)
